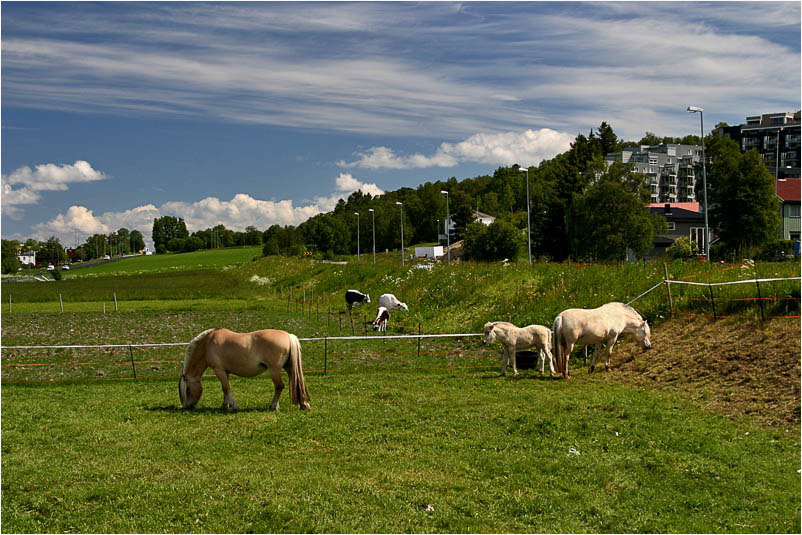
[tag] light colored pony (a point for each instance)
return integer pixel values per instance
(602, 325)
(513, 338)
(246, 355)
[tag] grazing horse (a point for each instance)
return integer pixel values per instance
(513, 338)
(246, 355)
(391, 303)
(602, 325)
(380, 323)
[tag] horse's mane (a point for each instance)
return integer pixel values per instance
(629, 309)
(191, 349)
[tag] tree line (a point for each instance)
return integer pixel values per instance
(581, 208)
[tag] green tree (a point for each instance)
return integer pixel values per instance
(168, 228)
(137, 241)
(52, 252)
(10, 262)
(682, 248)
(744, 209)
(610, 218)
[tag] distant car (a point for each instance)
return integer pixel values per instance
(50, 267)
(107, 257)
(65, 267)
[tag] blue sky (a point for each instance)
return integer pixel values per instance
(261, 113)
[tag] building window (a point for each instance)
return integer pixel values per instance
(697, 234)
(672, 225)
(793, 210)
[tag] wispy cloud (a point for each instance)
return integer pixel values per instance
(456, 69)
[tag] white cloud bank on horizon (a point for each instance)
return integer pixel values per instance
(237, 214)
(529, 147)
(43, 177)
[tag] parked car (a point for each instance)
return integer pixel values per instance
(65, 267)
(107, 257)
(50, 267)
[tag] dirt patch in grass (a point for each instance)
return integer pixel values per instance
(734, 366)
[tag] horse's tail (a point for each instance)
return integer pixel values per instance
(195, 350)
(557, 344)
(298, 392)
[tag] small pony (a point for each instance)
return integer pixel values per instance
(246, 355)
(513, 338)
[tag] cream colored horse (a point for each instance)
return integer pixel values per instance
(602, 325)
(514, 338)
(246, 355)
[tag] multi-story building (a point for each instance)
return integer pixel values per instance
(670, 169)
(776, 136)
(789, 190)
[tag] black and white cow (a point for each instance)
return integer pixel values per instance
(380, 323)
(354, 298)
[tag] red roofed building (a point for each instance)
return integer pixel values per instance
(789, 191)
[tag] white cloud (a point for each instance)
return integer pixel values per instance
(529, 148)
(43, 177)
(235, 214)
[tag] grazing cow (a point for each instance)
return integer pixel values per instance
(354, 298)
(380, 323)
(391, 302)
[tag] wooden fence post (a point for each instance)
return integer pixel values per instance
(131, 352)
(115, 302)
(712, 302)
(60, 303)
(418, 340)
(325, 354)
(759, 297)
(668, 289)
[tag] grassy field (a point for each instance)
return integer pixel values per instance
(397, 440)
(391, 452)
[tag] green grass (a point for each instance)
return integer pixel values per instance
(396, 441)
(389, 452)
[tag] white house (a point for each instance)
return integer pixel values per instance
(27, 258)
(429, 252)
(477, 216)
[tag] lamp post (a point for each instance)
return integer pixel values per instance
(373, 226)
(528, 230)
(399, 203)
(448, 221)
(357, 235)
(695, 109)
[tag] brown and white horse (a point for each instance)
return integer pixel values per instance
(602, 325)
(246, 355)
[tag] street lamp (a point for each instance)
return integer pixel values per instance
(448, 224)
(357, 235)
(695, 109)
(373, 225)
(399, 203)
(528, 231)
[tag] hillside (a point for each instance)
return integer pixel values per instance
(734, 366)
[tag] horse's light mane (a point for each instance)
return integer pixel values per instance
(190, 349)
(629, 309)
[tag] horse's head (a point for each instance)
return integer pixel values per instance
(490, 333)
(642, 334)
(189, 391)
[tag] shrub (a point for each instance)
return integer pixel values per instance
(682, 247)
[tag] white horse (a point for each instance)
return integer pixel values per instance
(513, 338)
(602, 325)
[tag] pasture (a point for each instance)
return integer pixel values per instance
(396, 441)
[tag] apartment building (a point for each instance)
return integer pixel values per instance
(776, 136)
(670, 169)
